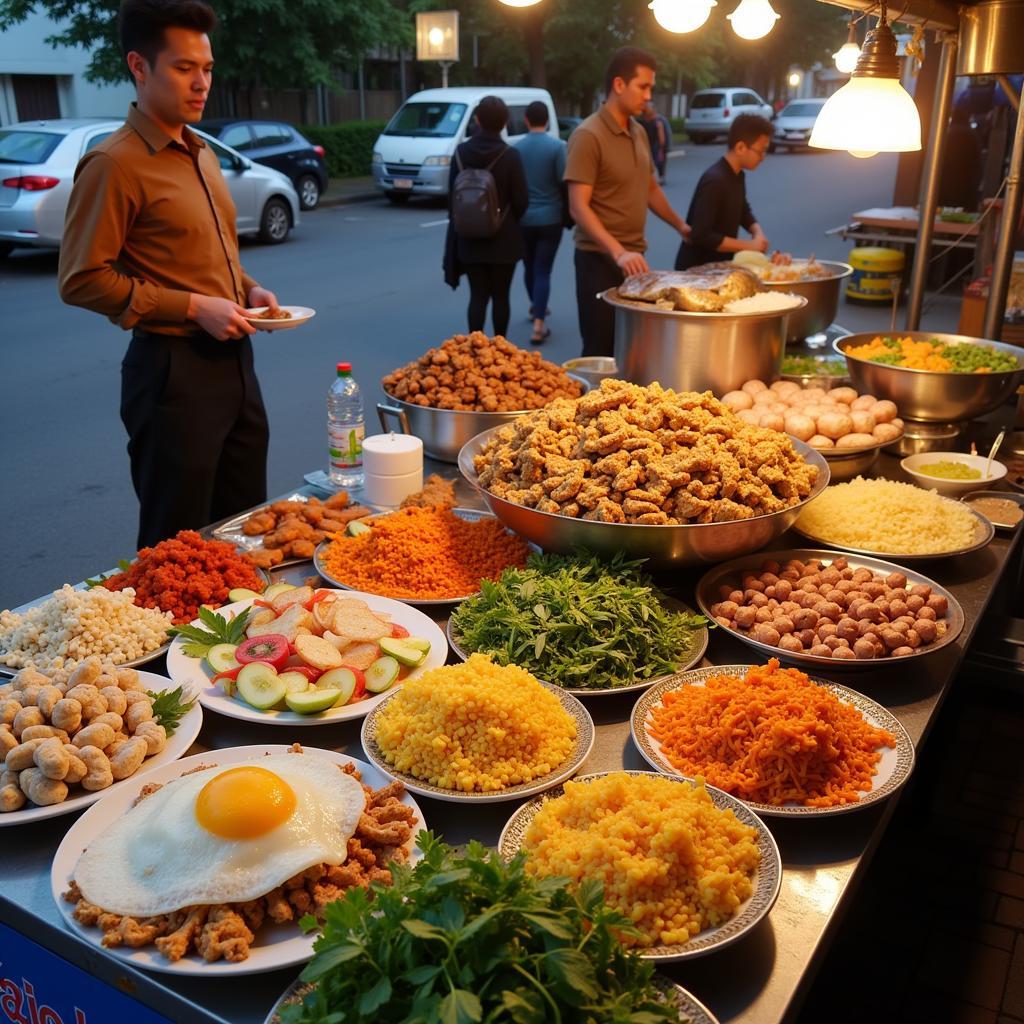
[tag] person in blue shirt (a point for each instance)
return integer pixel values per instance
(544, 162)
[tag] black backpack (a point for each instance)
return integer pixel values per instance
(475, 209)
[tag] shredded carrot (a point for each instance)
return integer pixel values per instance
(773, 737)
(425, 554)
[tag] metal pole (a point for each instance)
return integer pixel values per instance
(930, 180)
(445, 65)
(1002, 265)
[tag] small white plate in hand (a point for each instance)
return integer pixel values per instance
(299, 315)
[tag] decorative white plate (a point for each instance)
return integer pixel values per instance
(572, 764)
(299, 316)
(192, 672)
(890, 773)
(276, 945)
(767, 879)
(183, 738)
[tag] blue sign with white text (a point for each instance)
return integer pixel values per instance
(38, 987)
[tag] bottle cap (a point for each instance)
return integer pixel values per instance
(344, 368)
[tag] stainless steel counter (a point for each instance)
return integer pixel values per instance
(758, 981)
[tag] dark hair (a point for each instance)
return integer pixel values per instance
(141, 23)
(624, 64)
(748, 128)
(537, 114)
(492, 114)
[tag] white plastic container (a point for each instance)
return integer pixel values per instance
(393, 468)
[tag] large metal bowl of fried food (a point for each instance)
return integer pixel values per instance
(702, 329)
(673, 477)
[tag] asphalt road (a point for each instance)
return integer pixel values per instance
(373, 273)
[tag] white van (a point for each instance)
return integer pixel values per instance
(413, 155)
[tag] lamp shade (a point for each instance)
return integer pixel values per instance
(869, 115)
(846, 57)
(753, 19)
(681, 15)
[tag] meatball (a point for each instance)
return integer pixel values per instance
(938, 604)
(821, 651)
(765, 634)
(896, 580)
(790, 643)
(863, 649)
(746, 617)
(844, 654)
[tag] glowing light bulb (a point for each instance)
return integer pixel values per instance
(753, 19)
(846, 57)
(435, 36)
(795, 78)
(681, 15)
(862, 154)
(520, 3)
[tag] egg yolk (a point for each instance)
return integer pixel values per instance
(245, 802)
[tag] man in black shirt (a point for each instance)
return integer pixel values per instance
(719, 207)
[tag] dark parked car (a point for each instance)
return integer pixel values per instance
(567, 125)
(277, 145)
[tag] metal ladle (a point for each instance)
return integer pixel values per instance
(992, 453)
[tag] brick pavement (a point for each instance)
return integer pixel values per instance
(935, 934)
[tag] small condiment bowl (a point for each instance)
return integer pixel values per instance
(952, 488)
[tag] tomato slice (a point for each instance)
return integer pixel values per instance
(271, 648)
(258, 603)
(232, 674)
(398, 632)
(312, 674)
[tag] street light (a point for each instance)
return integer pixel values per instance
(681, 15)
(753, 19)
(847, 54)
(795, 78)
(437, 38)
(520, 3)
(872, 113)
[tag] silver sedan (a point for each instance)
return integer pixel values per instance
(37, 166)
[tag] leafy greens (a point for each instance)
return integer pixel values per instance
(468, 937)
(218, 631)
(577, 622)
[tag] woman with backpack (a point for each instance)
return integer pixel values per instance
(488, 195)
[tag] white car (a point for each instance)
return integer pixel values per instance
(794, 123)
(37, 166)
(712, 111)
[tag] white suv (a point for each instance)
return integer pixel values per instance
(712, 111)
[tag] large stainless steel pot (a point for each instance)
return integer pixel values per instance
(664, 546)
(822, 295)
(445, 431)
(696, 351)
(927, 395)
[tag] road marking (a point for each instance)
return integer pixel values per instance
(434, 223)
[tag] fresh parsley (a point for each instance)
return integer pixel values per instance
(168, 708)
(218, 631)
(123, 565)
(578, 622)
(467, 937)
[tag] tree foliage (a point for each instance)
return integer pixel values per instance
(274, 43)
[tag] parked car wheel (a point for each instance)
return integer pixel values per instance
(276, 221)
(309, 192)
(699, 138)
(398, 198)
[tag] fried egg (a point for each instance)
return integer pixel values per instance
(223, 835)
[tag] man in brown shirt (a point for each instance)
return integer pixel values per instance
(611, 187)
(150, 242)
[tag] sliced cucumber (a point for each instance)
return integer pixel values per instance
(402, 651)
(258, 685)
(381, 674)
(221, 658)
(241, 594)
(294, 682)
(355, 528)
(418, 642)
(312, 701)
(274, 589)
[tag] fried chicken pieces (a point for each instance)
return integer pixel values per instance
(228, 931)
(292, 529)
(645, 455)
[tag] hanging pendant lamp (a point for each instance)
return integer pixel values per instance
(753, 19)
(681, 15)
(847, 55)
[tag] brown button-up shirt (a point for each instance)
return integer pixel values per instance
(150, 221)
(616, 161)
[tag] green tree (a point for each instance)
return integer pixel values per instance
(275, 43)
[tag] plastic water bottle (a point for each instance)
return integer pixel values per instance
(345, 429)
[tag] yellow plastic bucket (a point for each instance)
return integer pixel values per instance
(877, 272)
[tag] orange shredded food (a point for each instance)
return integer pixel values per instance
(773, 737)
(424, 554)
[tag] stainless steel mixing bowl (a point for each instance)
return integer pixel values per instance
(445, 431)
(822, 295)
(715, 352)
(664, 546)
(927, 395)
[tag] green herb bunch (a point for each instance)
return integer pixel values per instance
(215, 630)
(467, 937)
(577, 622)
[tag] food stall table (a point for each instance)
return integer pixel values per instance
(759, 980)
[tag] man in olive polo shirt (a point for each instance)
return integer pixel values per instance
(612, 185)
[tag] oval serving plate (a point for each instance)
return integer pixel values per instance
(177, 743)
(572, 764)
(471, 515)
(727, 573)
(191, 672)
(890, 773)
(692, 658)
(691, 1010)
(767, 879)
(984, 532)
(276, 945)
